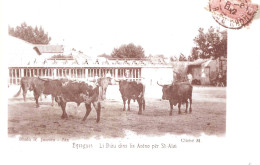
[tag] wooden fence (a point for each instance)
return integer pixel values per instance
(16, 73)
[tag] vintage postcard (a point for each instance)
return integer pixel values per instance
(115, 81)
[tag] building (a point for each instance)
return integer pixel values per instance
(47, 51)
(206, 70)
(30, 61)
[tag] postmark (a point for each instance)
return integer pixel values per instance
(233, 14)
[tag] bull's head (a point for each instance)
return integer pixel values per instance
(166, 90)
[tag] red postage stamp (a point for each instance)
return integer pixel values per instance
(233, 14)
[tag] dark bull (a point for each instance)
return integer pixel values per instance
(132, 90)
(177, 93)
(79, 92)
(40, 86)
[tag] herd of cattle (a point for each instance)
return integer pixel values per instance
(64, 90)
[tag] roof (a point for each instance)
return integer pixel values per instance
(18, 51)
(48, 49)
(198, 62)
(91, 62)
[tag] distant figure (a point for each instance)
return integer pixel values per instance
(220, 80)
(103, 83)
(189, 76)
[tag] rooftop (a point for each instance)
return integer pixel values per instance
(48, 49)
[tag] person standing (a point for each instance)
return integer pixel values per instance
(189, 76)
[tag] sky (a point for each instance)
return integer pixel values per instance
(98, 26)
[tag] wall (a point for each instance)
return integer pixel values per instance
(152, 75)
(207, 71)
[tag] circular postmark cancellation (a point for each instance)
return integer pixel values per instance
(233, 14)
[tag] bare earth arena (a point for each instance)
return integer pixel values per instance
(208, 116)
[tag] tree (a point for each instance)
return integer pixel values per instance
(195, 53)
(182, 58)
(213, 43)
(190, 58)
(173, 58)
(128, 51)
(105, 56)
(28, 33)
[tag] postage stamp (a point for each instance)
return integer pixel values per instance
(233, 14)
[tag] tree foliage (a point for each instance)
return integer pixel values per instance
(212, 43)
(128, 51)
(182, 58)
(105, 56)
(28, 33)
(173, 58)
(195, 53)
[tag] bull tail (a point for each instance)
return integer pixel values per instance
(18, 93)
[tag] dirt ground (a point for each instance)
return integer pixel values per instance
(208, 116)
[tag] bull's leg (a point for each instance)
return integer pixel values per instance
(190, 104)
(36, 97)
(97, 106)
(63, 108)
(52, 100)
(179, 107)
(186, 106)
(24, 93)
(104, 93)
(124, 100)
(100, 93)
(41, 96)
(58, 100)
(143, 104)
(128, 108)
(37, 102)
(88, 109)
(171, 108)
(140, 103)
(24, 96)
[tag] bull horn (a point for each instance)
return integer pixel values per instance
(116, 80)
(159, 84)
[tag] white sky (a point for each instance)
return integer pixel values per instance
(98, 26)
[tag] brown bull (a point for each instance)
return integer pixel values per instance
(132, 90)
(26, 84)
(178, 93)
(79, 92)
(39, 86)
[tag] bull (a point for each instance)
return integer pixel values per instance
(132, 90)
(79, 92)
(177, 93)
(39, 86)
(103, 83)
(26, 84)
